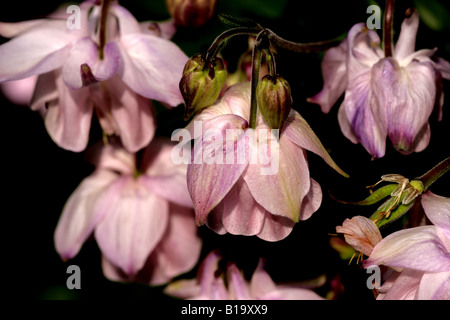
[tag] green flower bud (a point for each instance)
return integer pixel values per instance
(274, 100)
(201, 83)
(192, 13)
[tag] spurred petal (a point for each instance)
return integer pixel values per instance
(85, 51)
(80, 214)
(179, 249)
(68, 119)
(299, 132)
(406, 42)
(334, 69)
(133, 225)
(152, 67)
(417, 248)
(437, 209)
(35, 52)
(211, 174)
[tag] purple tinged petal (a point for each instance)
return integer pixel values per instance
(437, 209)
(68, 119)
(345, 126)
(419, 248)
(80, 214)
(238, 286)
(298, 131)
(406, 42)
(334, 69)
(401, 286)
(434, 286)
(152, 67)
(210, 177)
(134, 223)
(35, 52)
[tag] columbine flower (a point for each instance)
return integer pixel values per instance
(214, 284)
(109, 67)
(263, 197)
(420, 256)
(141, 217)
(384, 96)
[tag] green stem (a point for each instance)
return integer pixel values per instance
(435, 173)
(270, 61)
(256, 65)
(300, 47)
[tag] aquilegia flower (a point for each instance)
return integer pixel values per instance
(212, 283)
(420, 256)
(141, 216)
(111, 66)
(245, 181)
(384, 96)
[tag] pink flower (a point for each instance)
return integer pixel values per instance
(112, 69)
(141, 217)
(20, 91)
(384, 96)
(420, 255)
(212, 283)
(265, 197)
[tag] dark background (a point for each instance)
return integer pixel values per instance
(38, 176)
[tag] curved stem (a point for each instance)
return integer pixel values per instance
(271, 64)
(387, 28)
(102, 28)
(256, 65)
(300, 47)
(435, 173)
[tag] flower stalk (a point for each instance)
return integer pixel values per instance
(388, 28)
(102, 28)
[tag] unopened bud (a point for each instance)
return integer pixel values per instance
(274, 100)
(192, 13)
(201, 83)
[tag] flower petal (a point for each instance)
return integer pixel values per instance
(238, 287)
(132, 226)
(401, 286)
(437, 209)
(406, 42)
(434, 286)
(152, 67)
(80, 214)
(275, 227)
(44, 91)
(312, 201)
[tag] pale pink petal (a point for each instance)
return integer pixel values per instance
(214, 219)
(275, 228)
(179, 248)
(345, 126)
(133, 225)
(417, 248)
(298, 131)
(237, 285)
(437, 209)
(13, 29)
(164, 29)
(35, 52)
(112, 157)
(434, 286)
(334, 70)
(406, 42)
(210, 176)
(19, 92)
(68, 119)
(402, 286)
(127, 22)
(80, 214)
(85, 51)
(207, 273)
(261, 283)
(133, 114)
(312, 200)
(152, 67)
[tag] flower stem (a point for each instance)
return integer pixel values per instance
(435, 173)
(256, 65)
(102, 28)
(387, 28)
(300, 47)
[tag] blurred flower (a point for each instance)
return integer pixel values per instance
(420, 256)
(191, 13)
(384, 96)
(19, 91)
(249, 181)
(141, 217)
(108, 65)
(214, 284)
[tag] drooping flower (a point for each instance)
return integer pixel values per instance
(420, 256)
(248, 181)
(112, 66)
(141, 216)
(384, 96)
(212, 283)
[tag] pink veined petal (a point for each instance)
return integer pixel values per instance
(35, 52)
(238, 286)
(242, 215)
(434, 286)
(281, 189)
(422, 139)
(179, 249)
(275, 227)
(298, 131)
(162, 176)
(211, 174)
(152, 67)
(312, 200)
(437, 209)
(334, 70)
(80, 215)
(133, 114)
(402, 287)
(85, 51)
(418, 248)
(68, 119)
(406, 42)
(133, 225)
